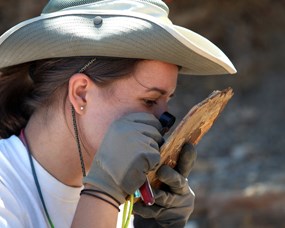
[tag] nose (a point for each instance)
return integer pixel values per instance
(160, 109)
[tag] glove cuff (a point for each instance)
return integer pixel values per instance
(104, 182)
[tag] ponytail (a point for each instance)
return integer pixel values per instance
(15, 86)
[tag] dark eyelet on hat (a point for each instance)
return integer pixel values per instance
(97, 20)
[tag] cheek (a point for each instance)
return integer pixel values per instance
(93, 127)
(100, 118)
(97, 119)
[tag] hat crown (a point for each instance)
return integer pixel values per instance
(57, 5)
(127, 29)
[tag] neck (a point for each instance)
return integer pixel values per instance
(53, 145)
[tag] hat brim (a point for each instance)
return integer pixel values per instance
(68, 34)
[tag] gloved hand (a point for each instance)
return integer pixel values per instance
(173, 205)
(127, 153)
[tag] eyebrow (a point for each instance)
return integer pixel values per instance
(161, 91)
(156, 89)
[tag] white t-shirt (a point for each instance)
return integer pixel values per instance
(20, 204)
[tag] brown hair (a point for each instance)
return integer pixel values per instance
(25, 87)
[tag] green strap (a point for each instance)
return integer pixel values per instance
(127, 213)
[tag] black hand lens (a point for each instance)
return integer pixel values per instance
(167, 120)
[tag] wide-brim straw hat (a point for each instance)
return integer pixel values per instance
(115, 28)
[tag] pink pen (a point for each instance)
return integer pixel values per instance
(146, 193)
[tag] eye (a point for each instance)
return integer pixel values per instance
(150, 103)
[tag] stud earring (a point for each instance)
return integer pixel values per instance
(81, 108)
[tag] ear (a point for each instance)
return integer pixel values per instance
(78, 87)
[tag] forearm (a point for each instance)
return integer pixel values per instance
(94, 212)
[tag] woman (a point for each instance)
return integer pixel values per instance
(82, 89)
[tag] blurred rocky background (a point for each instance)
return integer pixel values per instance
(239, 176)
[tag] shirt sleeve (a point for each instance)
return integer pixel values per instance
(10, 211)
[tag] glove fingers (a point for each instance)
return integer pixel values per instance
(170, 200)
(186, 160)
(147, 124)
(147, 211)
(144, 118)
(175, 181)
(128, 151)
(152, 135)
(163, 198)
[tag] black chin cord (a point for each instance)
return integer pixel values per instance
(78, 141)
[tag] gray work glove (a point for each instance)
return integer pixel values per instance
(174, 203)
(127, 153)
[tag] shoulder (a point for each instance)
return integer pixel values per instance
(12, 143)
(13, 159)
(18, 204)
(10, 211)
(12, 153)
